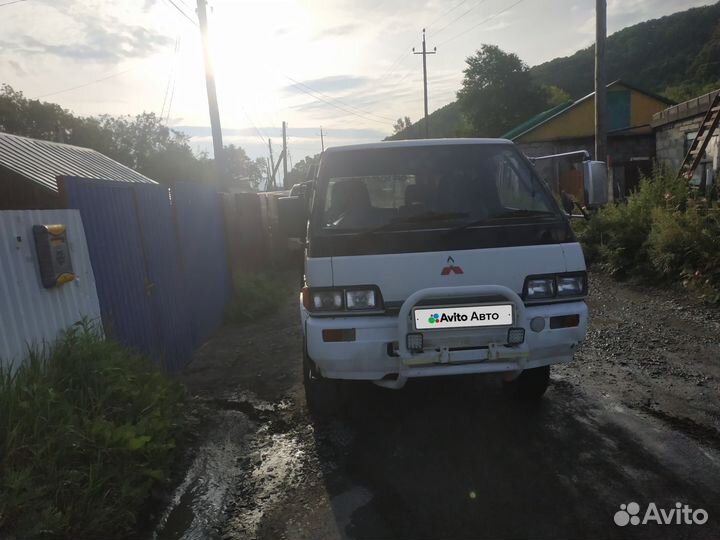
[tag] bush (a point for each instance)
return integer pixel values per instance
(86, 430)
(662, 232)
(615, 239)
(255, 296)
(687, 245)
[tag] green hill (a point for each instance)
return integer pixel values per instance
(447, 121)
(677, 56)
(656, 55)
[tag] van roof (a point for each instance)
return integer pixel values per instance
(414, 143)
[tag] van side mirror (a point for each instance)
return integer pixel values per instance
(292, 216)
(595, 180)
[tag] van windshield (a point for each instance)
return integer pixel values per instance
(428, 187)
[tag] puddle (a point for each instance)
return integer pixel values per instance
(276, 468)
(245, 466)
(198, 504)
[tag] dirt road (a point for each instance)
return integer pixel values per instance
(636, 418)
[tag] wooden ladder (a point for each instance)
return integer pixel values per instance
(704, 134)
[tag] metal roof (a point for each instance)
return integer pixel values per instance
(551, 114)
(43, 161)
(537, 120)
(413, 143)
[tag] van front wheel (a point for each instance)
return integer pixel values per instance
(530, 385)
(321, 395)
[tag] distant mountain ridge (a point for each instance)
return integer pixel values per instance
(677, 56)
(655, 55)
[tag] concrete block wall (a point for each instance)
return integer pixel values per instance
(670, 142)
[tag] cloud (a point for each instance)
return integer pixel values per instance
(341, 30)
(99, 38)
(335, 83)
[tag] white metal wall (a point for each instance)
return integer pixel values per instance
(29, 313)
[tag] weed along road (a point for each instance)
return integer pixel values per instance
(623, 435)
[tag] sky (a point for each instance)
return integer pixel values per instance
(345, 65)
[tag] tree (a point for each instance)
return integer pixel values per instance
(554, 95)
(302, 169)
(498, 92)
(142, 143)
(401, 124)
(241, 168)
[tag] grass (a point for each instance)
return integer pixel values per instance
(256, 296)
(87, 430)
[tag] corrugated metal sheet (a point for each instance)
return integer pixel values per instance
(43, 161)
(113, 236)
(173, 315)
(200, 228)
(29, 313)
(161, 268)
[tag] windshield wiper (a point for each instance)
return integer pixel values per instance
(417, 218)
(508, 214)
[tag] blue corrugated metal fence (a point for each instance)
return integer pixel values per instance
(158, 254)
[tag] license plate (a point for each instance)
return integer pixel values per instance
(463, 317)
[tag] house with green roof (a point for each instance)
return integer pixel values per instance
(571, 126)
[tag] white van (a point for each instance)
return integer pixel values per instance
(440, 257)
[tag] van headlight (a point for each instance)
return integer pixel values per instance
(327, 299)
(333, 299)
(555, 286)
(570, 285)
(543, 287)
(360, 299)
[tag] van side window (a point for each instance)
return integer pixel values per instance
(515, 184)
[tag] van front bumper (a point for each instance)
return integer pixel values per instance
(379, 351)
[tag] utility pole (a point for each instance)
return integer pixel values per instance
(211, 94)
(424, 55)
(600, 81)
(322, 140)
(285, 157)
(271, 180)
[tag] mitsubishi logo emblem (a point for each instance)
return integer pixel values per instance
(451, 268)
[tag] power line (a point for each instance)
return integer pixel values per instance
(311, 93)
(257, 130)
(171, 76)
(86, 84)
(188, 17)
(482, 22)
(403, 56)
(459, 16)
(348, 108)
(11, 3)
(172, 95)
(446, 12)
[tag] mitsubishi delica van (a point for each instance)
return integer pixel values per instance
(433, 258)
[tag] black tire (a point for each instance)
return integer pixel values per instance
(530, 385)
(323, 396)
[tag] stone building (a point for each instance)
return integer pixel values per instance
(571, 126)
(675, 129)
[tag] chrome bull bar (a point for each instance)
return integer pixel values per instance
(495, 352)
